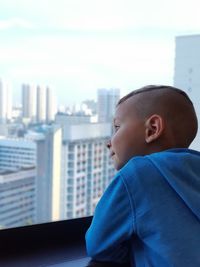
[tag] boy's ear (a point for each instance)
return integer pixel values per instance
(154, 127)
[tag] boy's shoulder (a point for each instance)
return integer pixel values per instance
(155, 164)
(147, 178)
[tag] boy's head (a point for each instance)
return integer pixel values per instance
(152, 119)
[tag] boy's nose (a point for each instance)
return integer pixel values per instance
(108, 144)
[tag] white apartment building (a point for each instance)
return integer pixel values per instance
(64, 119)
(41, 104)
(187, 72)
(50, 105)
(106, 103)
(29, 102)
(5, 102)
(17, 198)
(17, 153)
(9, 102)
(49, 143)
(86, 168)
(41, 149)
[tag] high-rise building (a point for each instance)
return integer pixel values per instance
(106, 103)
(41, 104)
(64, 119)
(50, 105)
(16, 154)
(9, 102)
(48, 140)
(40, 149)
(17, 197)
(86, 168)
(28, 102)
(5, 102)
(187, 72)
(17, 182)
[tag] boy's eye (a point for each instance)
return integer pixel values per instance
(116, 127)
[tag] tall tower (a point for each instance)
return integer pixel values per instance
(187, 72)
(41, 104)
(49, 173)
(50, 105)
(9, 102)
(28, 101)
(5, 102)
(106, 103)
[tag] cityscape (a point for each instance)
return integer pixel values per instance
(54, 164)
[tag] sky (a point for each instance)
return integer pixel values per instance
(76, 46)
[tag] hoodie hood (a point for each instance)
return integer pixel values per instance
(181, 169)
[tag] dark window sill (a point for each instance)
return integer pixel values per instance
(42, 244)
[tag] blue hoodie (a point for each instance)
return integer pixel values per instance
(150, 213)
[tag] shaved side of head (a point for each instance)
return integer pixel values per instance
(172, 104)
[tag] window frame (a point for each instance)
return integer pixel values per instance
(28, 242)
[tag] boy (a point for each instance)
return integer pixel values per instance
(150, 213)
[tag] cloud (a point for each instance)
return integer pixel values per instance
(15, 23)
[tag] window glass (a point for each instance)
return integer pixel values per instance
(63, 67)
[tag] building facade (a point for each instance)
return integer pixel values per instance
(17, 197)
(17, 153)
(41, 104)
(86, 168)
(5, 102)
(40, 149)
(187, 72)
(106, 103)
(28, 102)
(48, 184)
(50, 105)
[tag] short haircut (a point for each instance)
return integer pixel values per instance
(178, 112)
(149, 88)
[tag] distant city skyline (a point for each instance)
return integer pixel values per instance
(18, 99)
(76, 47)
